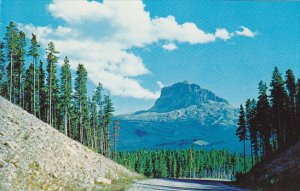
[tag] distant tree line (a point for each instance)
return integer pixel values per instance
(189, 163)
(272, 122)
(52, 97)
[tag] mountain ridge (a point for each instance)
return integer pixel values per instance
(184, 115)
(181, 95)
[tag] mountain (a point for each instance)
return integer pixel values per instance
(182, 95)
(35, 156)
(184, 115)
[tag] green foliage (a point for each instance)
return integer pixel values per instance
(81, 101)
(273, 125)
(41, 93)
(108, 109)
(65, 93)
(29, 89)
(184, 163)
(52, 85)
(3, 75)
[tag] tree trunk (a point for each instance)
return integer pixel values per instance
(50, 96)
(80, 122)
(11, 68)
(66, 122)
(34, 87)
(244, 156)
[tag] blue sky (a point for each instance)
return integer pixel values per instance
(136, 47)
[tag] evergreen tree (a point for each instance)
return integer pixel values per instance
(241, 132)
(29, 89)
(297, 130)
(250, 126)
(263, 118)
(19, 69)
(115, 134)
(279, 107)
(52, 84)
(163, 170)
(149, 167)
(174, 169)
(11, 43)
(3, 76)
(94, 122)
(33, 51)
(99, 103)
(292, 90)
(81, 100)
(107, 115)
(42, 89)
(66, 92)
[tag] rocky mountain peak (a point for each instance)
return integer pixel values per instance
(182, 95)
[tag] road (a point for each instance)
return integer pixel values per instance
(180, 184)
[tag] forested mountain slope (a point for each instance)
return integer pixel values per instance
(35, 156)
(282, 172)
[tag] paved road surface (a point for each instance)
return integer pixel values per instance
(180, 184)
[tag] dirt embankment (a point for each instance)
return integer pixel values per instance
(281, 172)
(35, 156)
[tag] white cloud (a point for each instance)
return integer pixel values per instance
(100, 35)
(223, 34)
(160, 84)
(168, 29)
(246, 32)
(169, 47)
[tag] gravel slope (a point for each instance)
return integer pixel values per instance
(181, 184)
(35, 156)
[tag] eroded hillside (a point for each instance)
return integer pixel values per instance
(282, 172)
(35, 156)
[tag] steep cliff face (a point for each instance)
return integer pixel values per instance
(185, 114)
(182, 95)
(35, 156)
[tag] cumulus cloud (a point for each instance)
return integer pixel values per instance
(246, 32)
(223, 34)
(169, 47)
(100, 35)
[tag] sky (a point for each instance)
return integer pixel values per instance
(135, 47)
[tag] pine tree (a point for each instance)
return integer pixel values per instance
(42, 89)
(149, 167)
(241, 132)
(115, 134)
(107, 115)
(174, 170)
(279, 100)
(292, 90)
(250, 126)
(11, 43)
(19, 68)
(94, 121)
(81, 100)
(29, 89)
(297, 130)
(163, 170)
(263, 118)
(33, 51)
(99, 103)
(66, 92)
(52, 83)
(3, 76)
